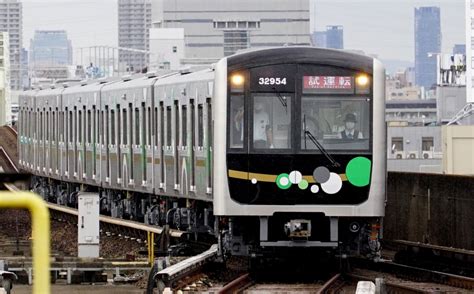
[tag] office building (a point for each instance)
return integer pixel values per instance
(5, 103)
(459, 49)
(49, 49)
(218, 28)
(427, 45)
(11, 22)
(134, 22)
(335, 37)
(318, 39)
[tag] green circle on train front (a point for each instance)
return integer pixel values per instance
(303, 184)
(283, 181)
(358, 171)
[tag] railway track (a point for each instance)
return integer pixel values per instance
(109, 225)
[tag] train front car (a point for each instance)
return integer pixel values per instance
(301, 162)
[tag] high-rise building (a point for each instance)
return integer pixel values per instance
(319, 39)
(11, 22)
(335, 37)
(134, 22)
(218, 28)
(50, 48)
(5, 102)
(459, 49)
(427, 45)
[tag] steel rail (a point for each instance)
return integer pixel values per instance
(416, 273)
(5, 155)
(332, 283)
(238, 285)
(170, 275)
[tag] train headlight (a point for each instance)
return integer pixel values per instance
(237, 82)
(362, 84)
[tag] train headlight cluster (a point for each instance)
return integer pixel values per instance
(237, 82)
(362, 84)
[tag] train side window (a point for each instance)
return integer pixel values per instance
(112, 127)
(47, 126)
(89, 126)
(149, 142)
(102, 127)
(209, 122)
(143, 125)
(79, 129)
(130, 122)
(200, 125)
(155, 129)
(236, 121)
(184, 126)
(94, 125)
(41, 126)
(137, 126)
(168, 126)
(54, 125)
(118, 125)
(106, 126)
(125, 126)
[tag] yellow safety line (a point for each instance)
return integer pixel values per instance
(268, 178)
(40, 233)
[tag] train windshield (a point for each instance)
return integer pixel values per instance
(335, 123)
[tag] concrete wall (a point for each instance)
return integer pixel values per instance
(458, 150)
(449, 101)
(430, 208)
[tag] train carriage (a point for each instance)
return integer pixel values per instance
(268, 149)
(181, 102)
(286, 170)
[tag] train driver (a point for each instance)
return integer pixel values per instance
(349, 131)
(262, 131)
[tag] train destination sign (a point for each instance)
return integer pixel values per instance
(328, 84)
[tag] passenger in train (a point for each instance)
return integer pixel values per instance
(349, 131)
(262, 131)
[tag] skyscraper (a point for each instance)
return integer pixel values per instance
(134, 22)
(335, 37)
(11, 21)
(427, 45)
(50, 48)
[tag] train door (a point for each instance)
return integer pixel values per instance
(147, 150)
(159, 139)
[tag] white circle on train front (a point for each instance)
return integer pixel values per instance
(254, 181)
(295, 177)
(333, 185)
(284, 181)
(314, 189)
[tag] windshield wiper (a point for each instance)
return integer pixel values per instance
(316, 142)
(282, 100)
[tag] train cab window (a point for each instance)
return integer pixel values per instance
(271, 120)
(335, 123)
(237, 121)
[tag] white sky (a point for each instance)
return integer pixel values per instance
(382, 27)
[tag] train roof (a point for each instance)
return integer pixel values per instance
(201, 75)
(89, 86)
(302, 55)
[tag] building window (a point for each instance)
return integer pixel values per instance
(397, 144)
(234, 41)
(175, 49)
(427, 144)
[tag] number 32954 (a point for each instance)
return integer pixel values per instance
(272, 81)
